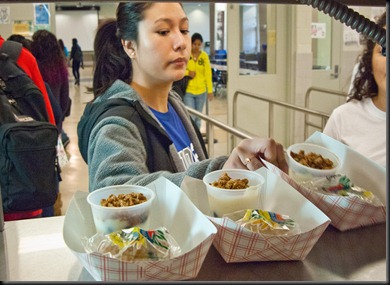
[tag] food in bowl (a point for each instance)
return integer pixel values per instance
(123, 200)
(223, 201)
(312, 159)
(226, 182)
(300, 172)
(110, 218)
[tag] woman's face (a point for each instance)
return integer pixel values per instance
(163, 47)
(379, 68)
(196, 46)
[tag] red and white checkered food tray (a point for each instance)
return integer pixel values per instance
(237, 244)
(189, 227)
(348, 213)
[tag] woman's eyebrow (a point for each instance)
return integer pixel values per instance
(168, 20)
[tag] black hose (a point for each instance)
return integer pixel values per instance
(351, 18)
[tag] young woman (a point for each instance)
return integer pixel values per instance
(361, 122)
(200, 86)
(138, 57)
(64, 49)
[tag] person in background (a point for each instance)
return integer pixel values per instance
(28, 63)
(52, 64)
(64, 49)
(77, 59)
(55, 105)
(361, 122)
(138, 57)
(200, 85)
(54, 70)
(20, 39)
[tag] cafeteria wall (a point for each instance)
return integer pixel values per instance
(82, 24)
(293, 68)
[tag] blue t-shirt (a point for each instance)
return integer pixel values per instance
(178, 134)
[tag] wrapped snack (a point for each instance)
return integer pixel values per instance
(340, 185)
(134, 244)
(264, 222)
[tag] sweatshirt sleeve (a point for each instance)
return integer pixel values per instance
(116, 155)
(208, 74)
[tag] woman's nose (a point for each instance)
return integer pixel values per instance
(180, 41)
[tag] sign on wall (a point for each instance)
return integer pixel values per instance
(318, 30)
(4, 15)
(22, 27)
(41, 14)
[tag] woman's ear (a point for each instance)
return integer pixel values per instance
(128, 47)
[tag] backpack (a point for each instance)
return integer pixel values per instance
(29, 172)
(78, 54)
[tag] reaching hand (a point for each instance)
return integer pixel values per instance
(246, 155)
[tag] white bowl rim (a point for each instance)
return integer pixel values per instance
(153, 195)
(311, 168)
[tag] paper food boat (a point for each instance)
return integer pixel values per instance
(347, 212)
(237, 244)
(191, 229)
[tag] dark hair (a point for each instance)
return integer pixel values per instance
(20, 39)
(364, 84)
(49, 56)
(195, 37)
(112, 62)
(74, 42)
(61, 43)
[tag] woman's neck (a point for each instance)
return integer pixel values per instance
(195, 55)
(155, 97)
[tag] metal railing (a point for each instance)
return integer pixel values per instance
(307, 105)
(210, 123)
(242, 134)
(271, 104)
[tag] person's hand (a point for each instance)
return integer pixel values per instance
(192, 73)
(210, 96)
(82, 66)
(246, 155)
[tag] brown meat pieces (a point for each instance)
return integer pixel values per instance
(312, 160)
(226, 182)
(123, 200)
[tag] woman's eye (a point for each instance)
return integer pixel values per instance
(163, 33)
(185, 32)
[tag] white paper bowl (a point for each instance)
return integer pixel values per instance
(110, 219)
(300, 172)
(224, 201)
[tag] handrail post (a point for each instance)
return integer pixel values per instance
(271, 120)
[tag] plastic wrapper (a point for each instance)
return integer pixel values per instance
(134, 244)
(265, 222)
(341, 185)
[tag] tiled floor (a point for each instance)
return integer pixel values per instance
(75, 173)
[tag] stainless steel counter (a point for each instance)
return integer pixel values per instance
(34, 250)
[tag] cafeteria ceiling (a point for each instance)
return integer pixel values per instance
(372, 3)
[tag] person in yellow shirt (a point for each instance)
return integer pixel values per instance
(199, 70)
